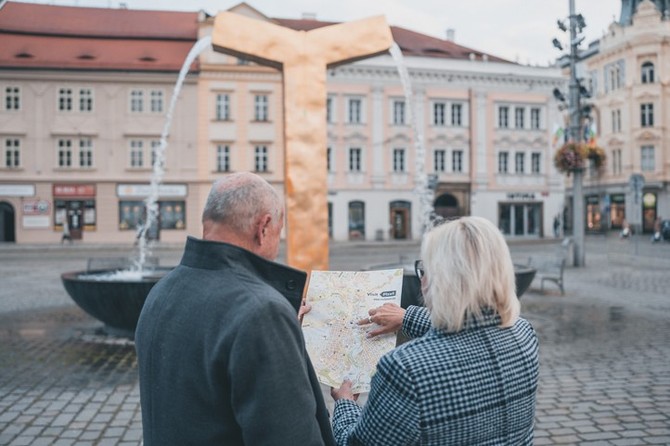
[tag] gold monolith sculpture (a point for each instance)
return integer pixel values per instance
(303, 57)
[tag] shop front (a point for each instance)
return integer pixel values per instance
(171, 208)
(74, 209)
(520, 216)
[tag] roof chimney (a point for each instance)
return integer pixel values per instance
(309, 15)
(451, 34)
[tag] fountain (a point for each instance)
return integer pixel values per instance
(304, 58)
(116, 295)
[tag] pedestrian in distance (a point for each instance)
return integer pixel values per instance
(222, 359)
(557, 227)
(471, 374)
(66, 233)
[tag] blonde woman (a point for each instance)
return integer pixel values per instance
(471, 376)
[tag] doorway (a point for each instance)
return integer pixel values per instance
(7, 223)
(400, 213)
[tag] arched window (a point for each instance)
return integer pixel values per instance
(647, 73)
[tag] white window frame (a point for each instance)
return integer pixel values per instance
(223, 157)
(503, 161)
(536, 118)
(222, 107)
(261, 107)
(355, 114)
(12, 98)
(85, 152)
(519, 162)
(136, 103)
(457, 114)
(439, 113)
(503, 116)
(440, 160)
(86, 100)
(65, 99)
(12, 158)
(519, 117)
(156, 101)
(136, 154)
(647, 158)
(261, 158)
(399, 160)
(647, 114)
(64, 146)
(457, 161)
(399, 112)
(536, 162)
(355, 159)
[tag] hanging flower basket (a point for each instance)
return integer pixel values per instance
(574, 156)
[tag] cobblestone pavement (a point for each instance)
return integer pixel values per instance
(605, 350)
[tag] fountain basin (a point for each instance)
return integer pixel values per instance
(411, 286)
(116, 303)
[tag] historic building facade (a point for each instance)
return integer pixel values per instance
(629, 78)
(84, 99)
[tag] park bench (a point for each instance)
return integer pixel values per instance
(551, 267)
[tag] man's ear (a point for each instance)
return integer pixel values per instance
(262, 228)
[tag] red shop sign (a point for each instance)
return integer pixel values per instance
(74, 190)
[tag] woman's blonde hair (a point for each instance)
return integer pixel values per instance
(468, 267)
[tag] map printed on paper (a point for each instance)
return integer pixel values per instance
(337, 346)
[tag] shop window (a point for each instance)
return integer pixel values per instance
(132, 214)
(520, 219)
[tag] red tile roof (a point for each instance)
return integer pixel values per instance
(412, 43)
(42, 36)
(61, 37)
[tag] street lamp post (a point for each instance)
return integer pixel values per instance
(575, 128)
(575, 111)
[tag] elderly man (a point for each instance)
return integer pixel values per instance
(221, 355)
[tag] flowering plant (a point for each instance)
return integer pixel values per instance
(573, 156)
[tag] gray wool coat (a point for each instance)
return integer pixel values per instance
(222, 359)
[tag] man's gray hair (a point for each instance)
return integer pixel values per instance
(239, 198)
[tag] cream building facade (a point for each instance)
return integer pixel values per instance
(78, 133)
(629, 77)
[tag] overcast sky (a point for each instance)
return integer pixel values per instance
(518, 30)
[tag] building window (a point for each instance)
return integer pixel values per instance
(85, 100)
(616, 121)
(535, 159)
(329, 110)
(503, 117)
(64, 153)
(155, 148)
(261, 107)
(647, 163)
(519, 117)
(86, 152)
(223, 158)
(156, 101)
(172, 214)
(222, 111)
(439, 113)
(355, 111)
(329, 162)
(535, 118)
(457, 161)
(65, 99)
(519, 161)
(647, 73)
(457, 115)
(647, 115)
(12, 153)
(399, 112)
(355, 159)
(12, 98)
(136, 101)
(439, 157)
(261, 158)
(616, 161)
(136, 153)
(398, 160)
(503, 161)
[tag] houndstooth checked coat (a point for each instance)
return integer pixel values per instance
(473, 387)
